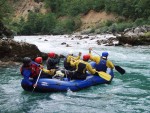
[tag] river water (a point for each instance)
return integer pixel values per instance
(129, 93)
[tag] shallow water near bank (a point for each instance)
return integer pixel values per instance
(126, 93)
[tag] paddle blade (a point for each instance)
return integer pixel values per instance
(104, 75)
(120, 70)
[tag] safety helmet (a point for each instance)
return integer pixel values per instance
(86, 57)
(39, 60)
(70, 52)
(51, 54)
(26, 60)
(104, 54)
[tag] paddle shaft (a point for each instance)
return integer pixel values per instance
(37, 80)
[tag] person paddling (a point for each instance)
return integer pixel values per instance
(67, 60)
(81, 67)
(45, 72)
(52, 61)
(102, 62)
(30, 69)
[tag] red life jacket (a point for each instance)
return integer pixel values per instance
(35, 70)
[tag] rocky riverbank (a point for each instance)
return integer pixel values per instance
(11, 50)
(135, 36)
(14, 51)
(130, 37)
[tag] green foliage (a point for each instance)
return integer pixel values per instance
(46, 24)
(129, 8)
(108, 23)
(66, 26)
(5, 9)
(121, 26)
(115, 27)
(138, 11)
(98, 5)
(38, 23)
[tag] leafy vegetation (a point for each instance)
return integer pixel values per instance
(132, 9)
(135, 12)
(5, 12)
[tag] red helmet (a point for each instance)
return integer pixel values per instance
(39, 60)
(51, 54)
(86, 57)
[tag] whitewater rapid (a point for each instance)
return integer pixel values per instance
(127, 93)
(119, 55)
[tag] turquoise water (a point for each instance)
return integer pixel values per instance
(129, 93)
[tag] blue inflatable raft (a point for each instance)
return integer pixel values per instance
(56, 85)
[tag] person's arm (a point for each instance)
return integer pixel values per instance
(90, 69)
(109, 64)
(69, 58)
(78, 57)
(35, 63)
(46, 71)
(73, 63)
(26, 75)
(94, 58)
(50, 72)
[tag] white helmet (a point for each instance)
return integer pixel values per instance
(70, 52)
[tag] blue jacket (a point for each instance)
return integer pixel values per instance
(27, 73)
(101, 66)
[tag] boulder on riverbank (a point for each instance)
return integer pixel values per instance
(135, 36)
(11, 50)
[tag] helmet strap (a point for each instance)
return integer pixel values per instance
(105, 58)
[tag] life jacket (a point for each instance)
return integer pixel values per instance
(81, 68)
(33, 68)
(101, 66)
(66, 64)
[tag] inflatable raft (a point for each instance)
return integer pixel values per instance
(56, 85)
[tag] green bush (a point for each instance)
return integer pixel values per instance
(38, 23)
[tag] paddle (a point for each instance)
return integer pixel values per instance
(118, 68)
(104, 75)
(37, 80)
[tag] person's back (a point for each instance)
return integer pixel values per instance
(102, 63)
(52, 61)
(81, 67)
(67, 60)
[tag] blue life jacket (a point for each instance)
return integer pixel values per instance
(101, 66)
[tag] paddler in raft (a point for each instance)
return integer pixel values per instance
(81, 67)
(45, 72)
(102, 62)
(30, 69)
(52, 61)
(67, 60)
